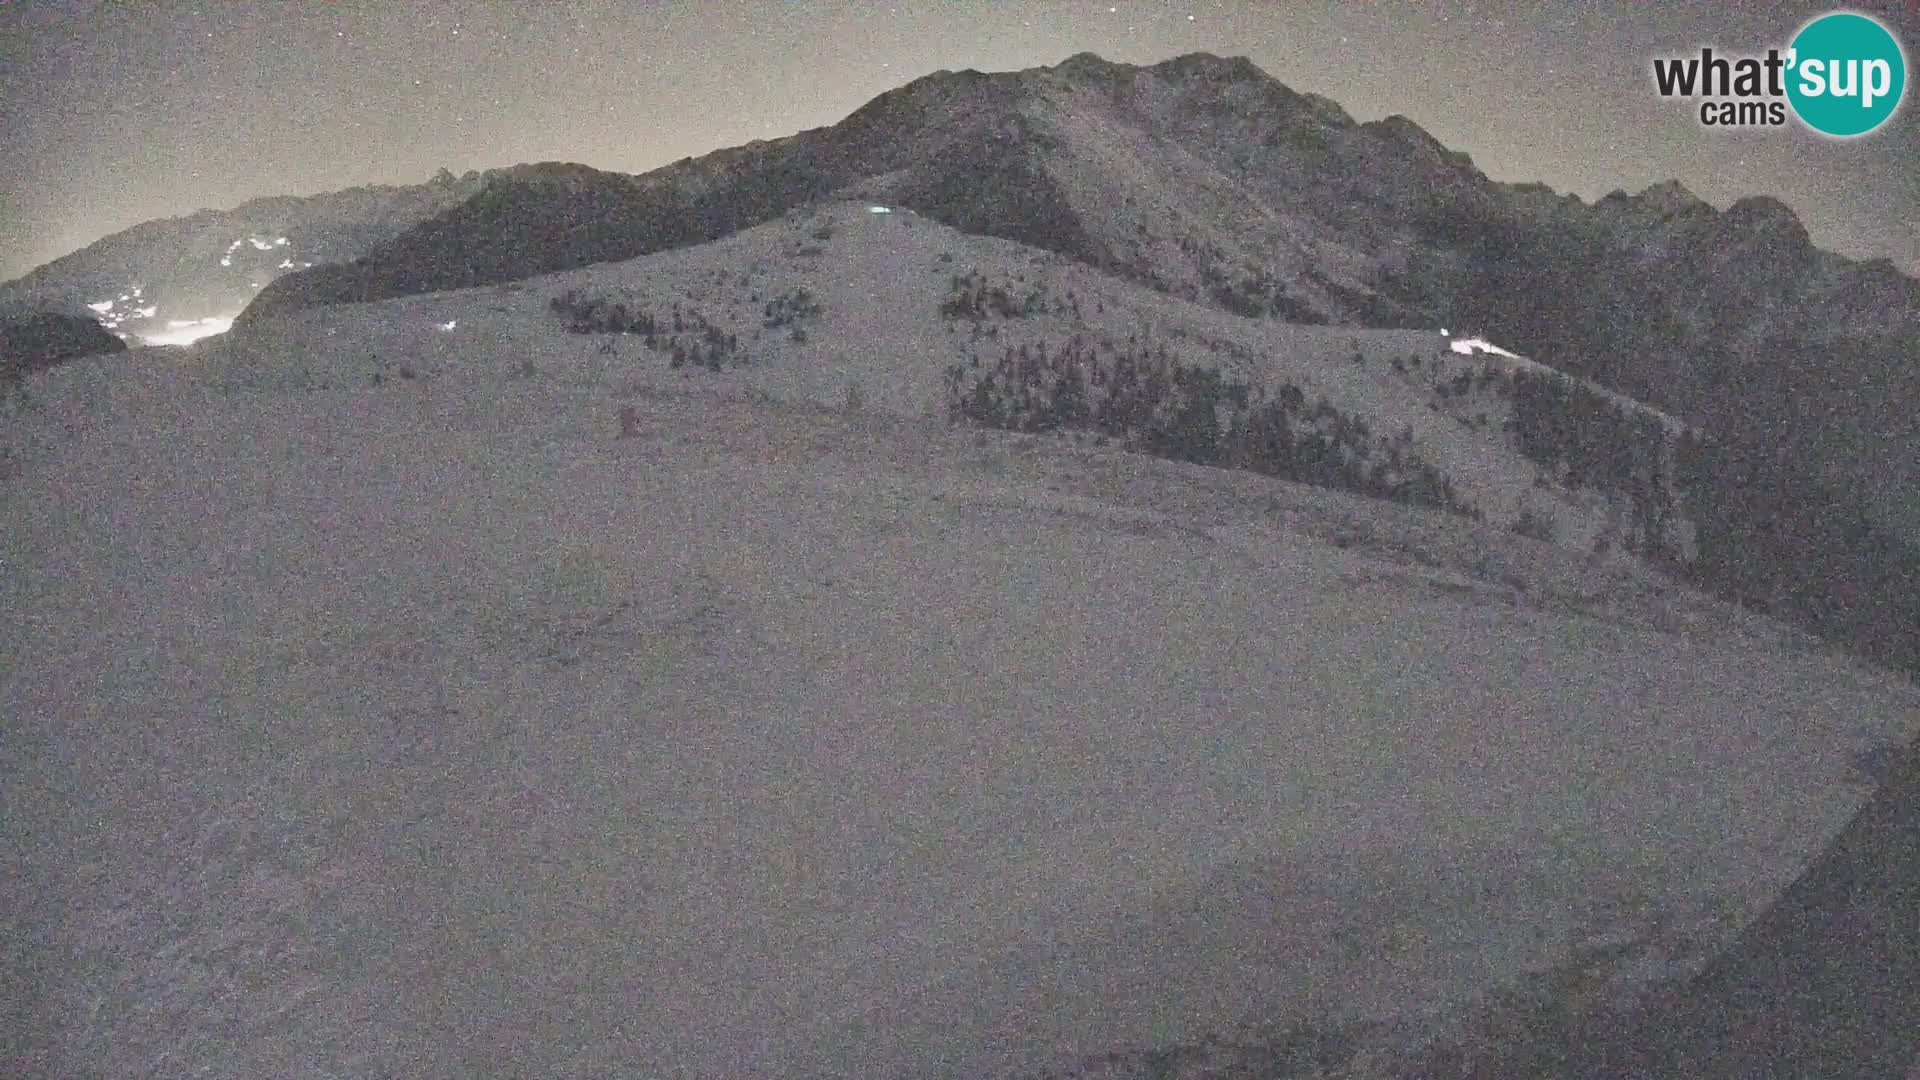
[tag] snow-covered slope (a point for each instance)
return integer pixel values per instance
(875, 284)
(427, 725)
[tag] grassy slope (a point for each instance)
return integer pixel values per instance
(428, 727)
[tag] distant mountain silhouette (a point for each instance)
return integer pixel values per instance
(212, 263)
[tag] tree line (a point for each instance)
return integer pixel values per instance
(1149, 400)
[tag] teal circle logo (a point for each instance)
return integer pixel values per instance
(1846, 74)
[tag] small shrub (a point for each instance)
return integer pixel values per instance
(629, 421)
(855, 399)
(1536, 525)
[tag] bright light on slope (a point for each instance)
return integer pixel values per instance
(1469, 346)
(102, 307)
(186, 331)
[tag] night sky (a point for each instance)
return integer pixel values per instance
(114, 113)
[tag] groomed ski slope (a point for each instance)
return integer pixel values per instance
(428, 728)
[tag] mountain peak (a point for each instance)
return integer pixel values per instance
(1404, 130)
(1206, 65)
(1764, 210)
(1670, 197)
(1089, 64)
(1763, 216)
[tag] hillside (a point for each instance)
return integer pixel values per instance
(777, 736)
(31, 342)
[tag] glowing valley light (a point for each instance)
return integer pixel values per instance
(259, 244)
(449, 324)
(187, 331)
(226, 261)
(102, 307)
(145, 312)
(285, 264)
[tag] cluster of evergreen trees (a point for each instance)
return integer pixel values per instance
(1150, 401)
(1466, 381)
(685, 336)
(972, 296)
(1591, 440)
(789, 307)
(1256, 293)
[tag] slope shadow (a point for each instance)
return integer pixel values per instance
(1826, 983)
